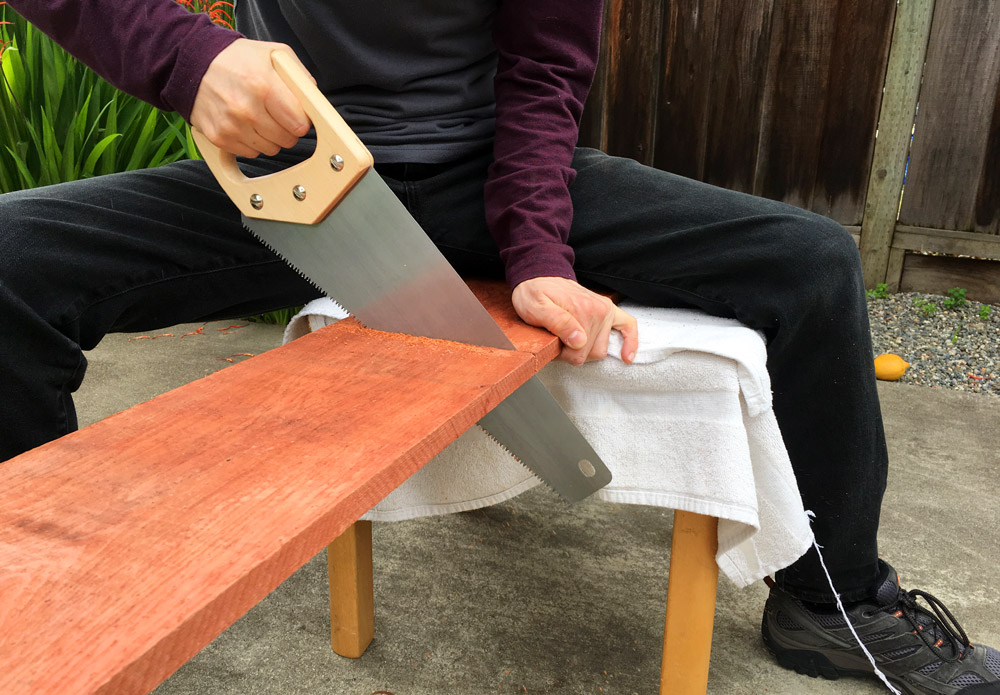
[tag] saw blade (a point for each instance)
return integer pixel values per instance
(371, 257)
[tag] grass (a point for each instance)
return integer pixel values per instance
(60, 121)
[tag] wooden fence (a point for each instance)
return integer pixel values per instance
(784, 98)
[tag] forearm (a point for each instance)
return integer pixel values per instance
(547, 55)
(153, 49)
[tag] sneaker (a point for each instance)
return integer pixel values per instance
(920, 651)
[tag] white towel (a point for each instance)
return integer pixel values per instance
(687, 426)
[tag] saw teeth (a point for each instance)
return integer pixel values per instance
(302, 275)
(513, 456)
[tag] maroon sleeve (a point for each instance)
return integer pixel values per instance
(547, 55)
(153, 49)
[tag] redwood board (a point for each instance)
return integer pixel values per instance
(128, 546)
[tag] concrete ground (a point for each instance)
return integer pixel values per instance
(535, 596)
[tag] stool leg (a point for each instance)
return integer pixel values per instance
(352, 599)
(694, 575)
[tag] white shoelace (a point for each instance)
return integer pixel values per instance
(843, 612)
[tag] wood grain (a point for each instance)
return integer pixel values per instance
(937, 274)
(822, 94)
(947, 241)
(592, 124)
(129, 545)
(859, 53)
(694, 578)
(352, 590)
(737, 73)
(902, 85)
(685, 85)
(957, 122)
(633, 35)
(987, 204)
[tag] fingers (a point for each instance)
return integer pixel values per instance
(625, 324)
(581, 319)
(285, 120)
(544, 312)
(595, 315)
(243, 106)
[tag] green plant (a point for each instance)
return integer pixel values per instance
(280, 317)
(59, 121)
(984, 312)
(880, 292)
(956, 298)
(954, 334)
(220, 11)
(928, 308)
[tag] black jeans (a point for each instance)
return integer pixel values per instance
(148, 249)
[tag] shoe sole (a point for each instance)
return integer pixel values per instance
(814, 664)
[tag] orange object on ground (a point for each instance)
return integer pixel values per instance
(890, 367)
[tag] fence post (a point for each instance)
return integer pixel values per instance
(910, 35)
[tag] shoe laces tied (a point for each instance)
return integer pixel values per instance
(942, 623)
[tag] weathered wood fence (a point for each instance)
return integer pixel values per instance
(784, 99)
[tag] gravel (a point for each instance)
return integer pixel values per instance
(952, 347)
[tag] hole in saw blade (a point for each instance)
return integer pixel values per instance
(587, 468)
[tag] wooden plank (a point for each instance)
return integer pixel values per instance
(987, 205)
(694, 578)
(690, 28)
(737, 67)
(947, 241)
(634, 36)
(894, 272)
(822, 92)
(128, 546)
(794, 92)
(495, 296)
(938, 274)
(592, 124)
(960, 84)
(899, 101)
(858, 60)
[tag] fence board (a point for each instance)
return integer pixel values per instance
(592, 124)
(824, 87)
(936, 274)
(772, 97)
(958, 103)
(733, 67)
(858, 59)
(795, 99)
(910, 31)
(685, 87)
(633, 32)
(987, 214)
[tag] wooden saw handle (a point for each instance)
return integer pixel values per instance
(319, 183)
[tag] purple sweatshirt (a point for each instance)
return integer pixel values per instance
(546, 56)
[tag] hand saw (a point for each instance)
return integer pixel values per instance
(335, 221)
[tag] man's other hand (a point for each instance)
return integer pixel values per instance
(581, 319)
(243, 106)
